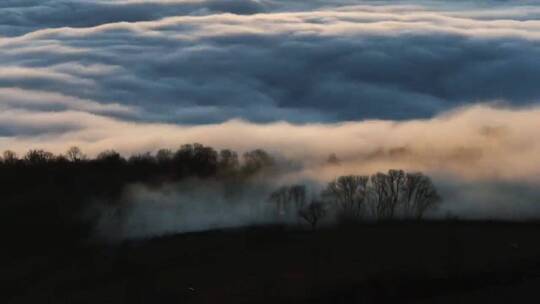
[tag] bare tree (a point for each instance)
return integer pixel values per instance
(297, 194)
(396, 184)
(280, 197)
(288, 198)
(257, 160)
(142, 159)
(378, 195)
(348, 193)
(386, 193)
(412, 194)
(412, 180)
(425, 197)
(228, 161)
(313, 213)
(38, 156)
(164, 156)
(10, 157)
(74, 154)
(110, 157)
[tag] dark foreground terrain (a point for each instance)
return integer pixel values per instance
(430, 262)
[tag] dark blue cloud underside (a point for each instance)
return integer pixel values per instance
(269, 76)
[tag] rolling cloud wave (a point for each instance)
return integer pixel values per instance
(281, 60)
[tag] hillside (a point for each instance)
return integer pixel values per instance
(417, 262)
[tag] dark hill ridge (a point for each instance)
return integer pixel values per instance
(426, 262)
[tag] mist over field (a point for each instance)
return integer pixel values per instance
(198, 204)
(147, 213)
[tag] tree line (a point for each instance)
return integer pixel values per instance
(107, 173)
(381, 196)
(45, 196)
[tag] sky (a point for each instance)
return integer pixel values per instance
(442, 86)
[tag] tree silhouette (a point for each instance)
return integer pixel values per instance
(110, 157)
(142, 159)
(228, 161)
(425, 196)
(74, 154)
(38, 157)
(10, 157)
(280, 198)
(257, 160)
(195, 159)
(313, 212)
(289, 199)
(410, 195)
(412, 182)
(164, 156)
(348, 193)
(386, 193)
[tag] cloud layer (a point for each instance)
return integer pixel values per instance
(193, 62)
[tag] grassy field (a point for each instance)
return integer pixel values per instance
(427, 262)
